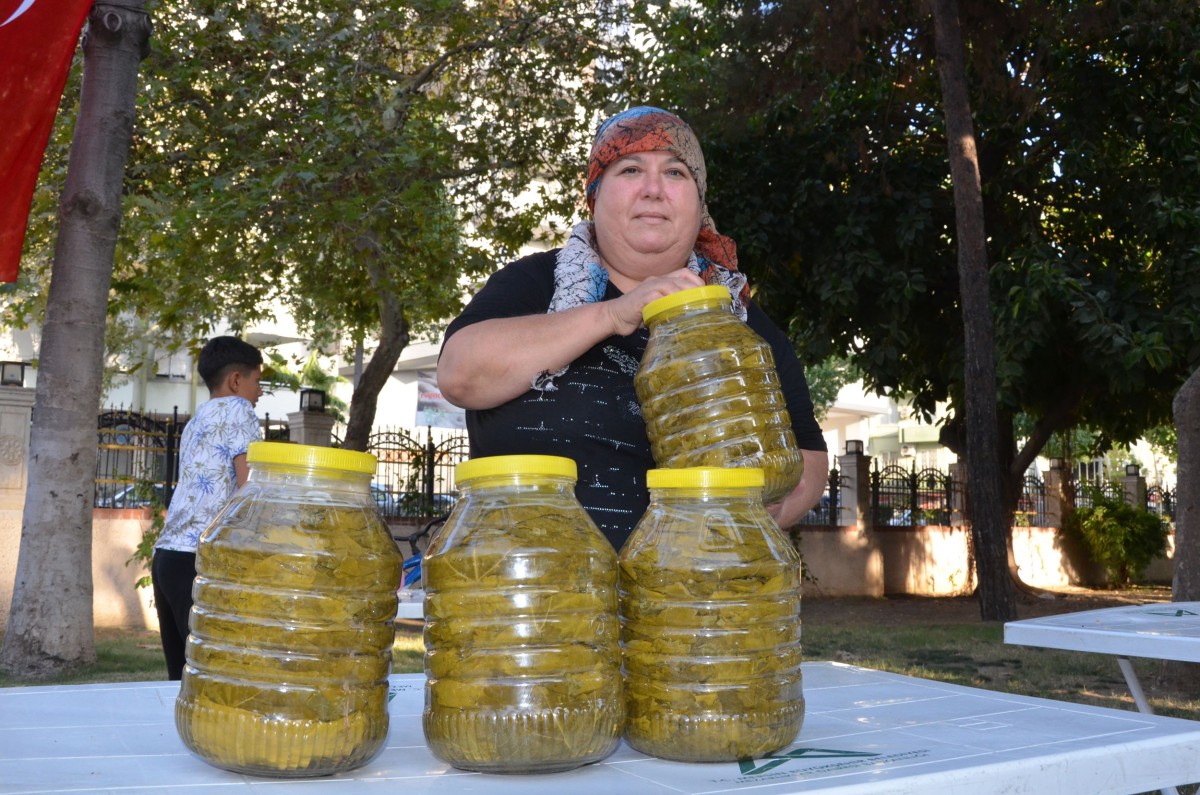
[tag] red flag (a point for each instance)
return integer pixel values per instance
(37, 40)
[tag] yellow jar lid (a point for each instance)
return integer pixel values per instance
(310, 457)
(691, 295)
(499, 465)
(706, 478)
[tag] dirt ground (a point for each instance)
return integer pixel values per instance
(938, 610)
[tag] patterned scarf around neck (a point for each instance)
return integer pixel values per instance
(580, 279)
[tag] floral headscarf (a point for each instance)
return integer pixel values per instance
(579, 278)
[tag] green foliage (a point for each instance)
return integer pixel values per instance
(1121, 538)
(822, 124)
(143, 553)
(825, 380)
(282, 373)
(1164, 441)
(334, 158)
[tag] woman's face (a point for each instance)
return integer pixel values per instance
(647, 214)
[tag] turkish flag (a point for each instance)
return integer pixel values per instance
(37, 40)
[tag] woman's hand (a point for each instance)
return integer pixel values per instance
(493, 361)
(626, 311)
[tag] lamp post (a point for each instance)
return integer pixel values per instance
(312, 400)
(12, 373)
(854, 446)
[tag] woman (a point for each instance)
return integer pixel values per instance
(543, 357)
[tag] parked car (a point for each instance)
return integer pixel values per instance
(133, 495)
(410, 503)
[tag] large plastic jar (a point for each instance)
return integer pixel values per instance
(522, 650)
(710, 620)
(710, 393)
(291, 627)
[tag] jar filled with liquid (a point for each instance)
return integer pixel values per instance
(522, 655)
(710, 393)
(292, 623)
(710, 620)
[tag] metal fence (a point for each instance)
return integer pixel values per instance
(137, 458)
(138, 464)
(911, 498)
(415, 479)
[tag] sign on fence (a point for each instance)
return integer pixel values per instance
(433, 410)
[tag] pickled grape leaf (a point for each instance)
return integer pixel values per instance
(710, 629)
(522, 640)
(291, 636)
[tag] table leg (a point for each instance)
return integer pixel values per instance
(1135, 687)
(1139, 698)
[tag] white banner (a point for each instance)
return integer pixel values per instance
(433, 409)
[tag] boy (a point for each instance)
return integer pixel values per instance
(212, 463)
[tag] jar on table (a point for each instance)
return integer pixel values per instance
(710, 393)
(292, 623)
(710, 620)
(522, 654)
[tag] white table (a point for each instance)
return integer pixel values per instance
(865, 732)
(1162, 631)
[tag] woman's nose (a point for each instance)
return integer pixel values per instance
(652, 185)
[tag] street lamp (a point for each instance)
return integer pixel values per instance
(854, 446)
(312, 400)
(1132, 470)
(12, 373)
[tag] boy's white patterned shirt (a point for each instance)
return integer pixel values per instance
(221, 430)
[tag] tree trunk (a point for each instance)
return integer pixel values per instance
(1186, 585)
(393, 339)
(985, 478)
(50, 622)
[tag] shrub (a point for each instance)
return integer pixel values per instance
(1119, 537)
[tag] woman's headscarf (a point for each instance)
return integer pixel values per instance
(579, 278)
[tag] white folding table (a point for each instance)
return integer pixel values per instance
(1161, 631)
(866, 732)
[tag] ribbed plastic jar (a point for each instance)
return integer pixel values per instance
(710, 393)
(291, 627)
(710, 621)
(522, 651)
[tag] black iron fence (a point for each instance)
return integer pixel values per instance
(138, 464)
(138, 458)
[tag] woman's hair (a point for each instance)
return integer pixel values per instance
(222, 355)
(648, 129)
(644, 129)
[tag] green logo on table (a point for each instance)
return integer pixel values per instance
(749, 767)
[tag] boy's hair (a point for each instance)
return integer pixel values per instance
(221, 355)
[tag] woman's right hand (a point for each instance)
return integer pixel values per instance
(626, 311)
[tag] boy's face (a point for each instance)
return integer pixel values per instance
(246, 385)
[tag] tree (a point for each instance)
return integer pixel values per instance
(827, 165)
(1186, 585)
(50, 627)
(351, 162)
(989, 520)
